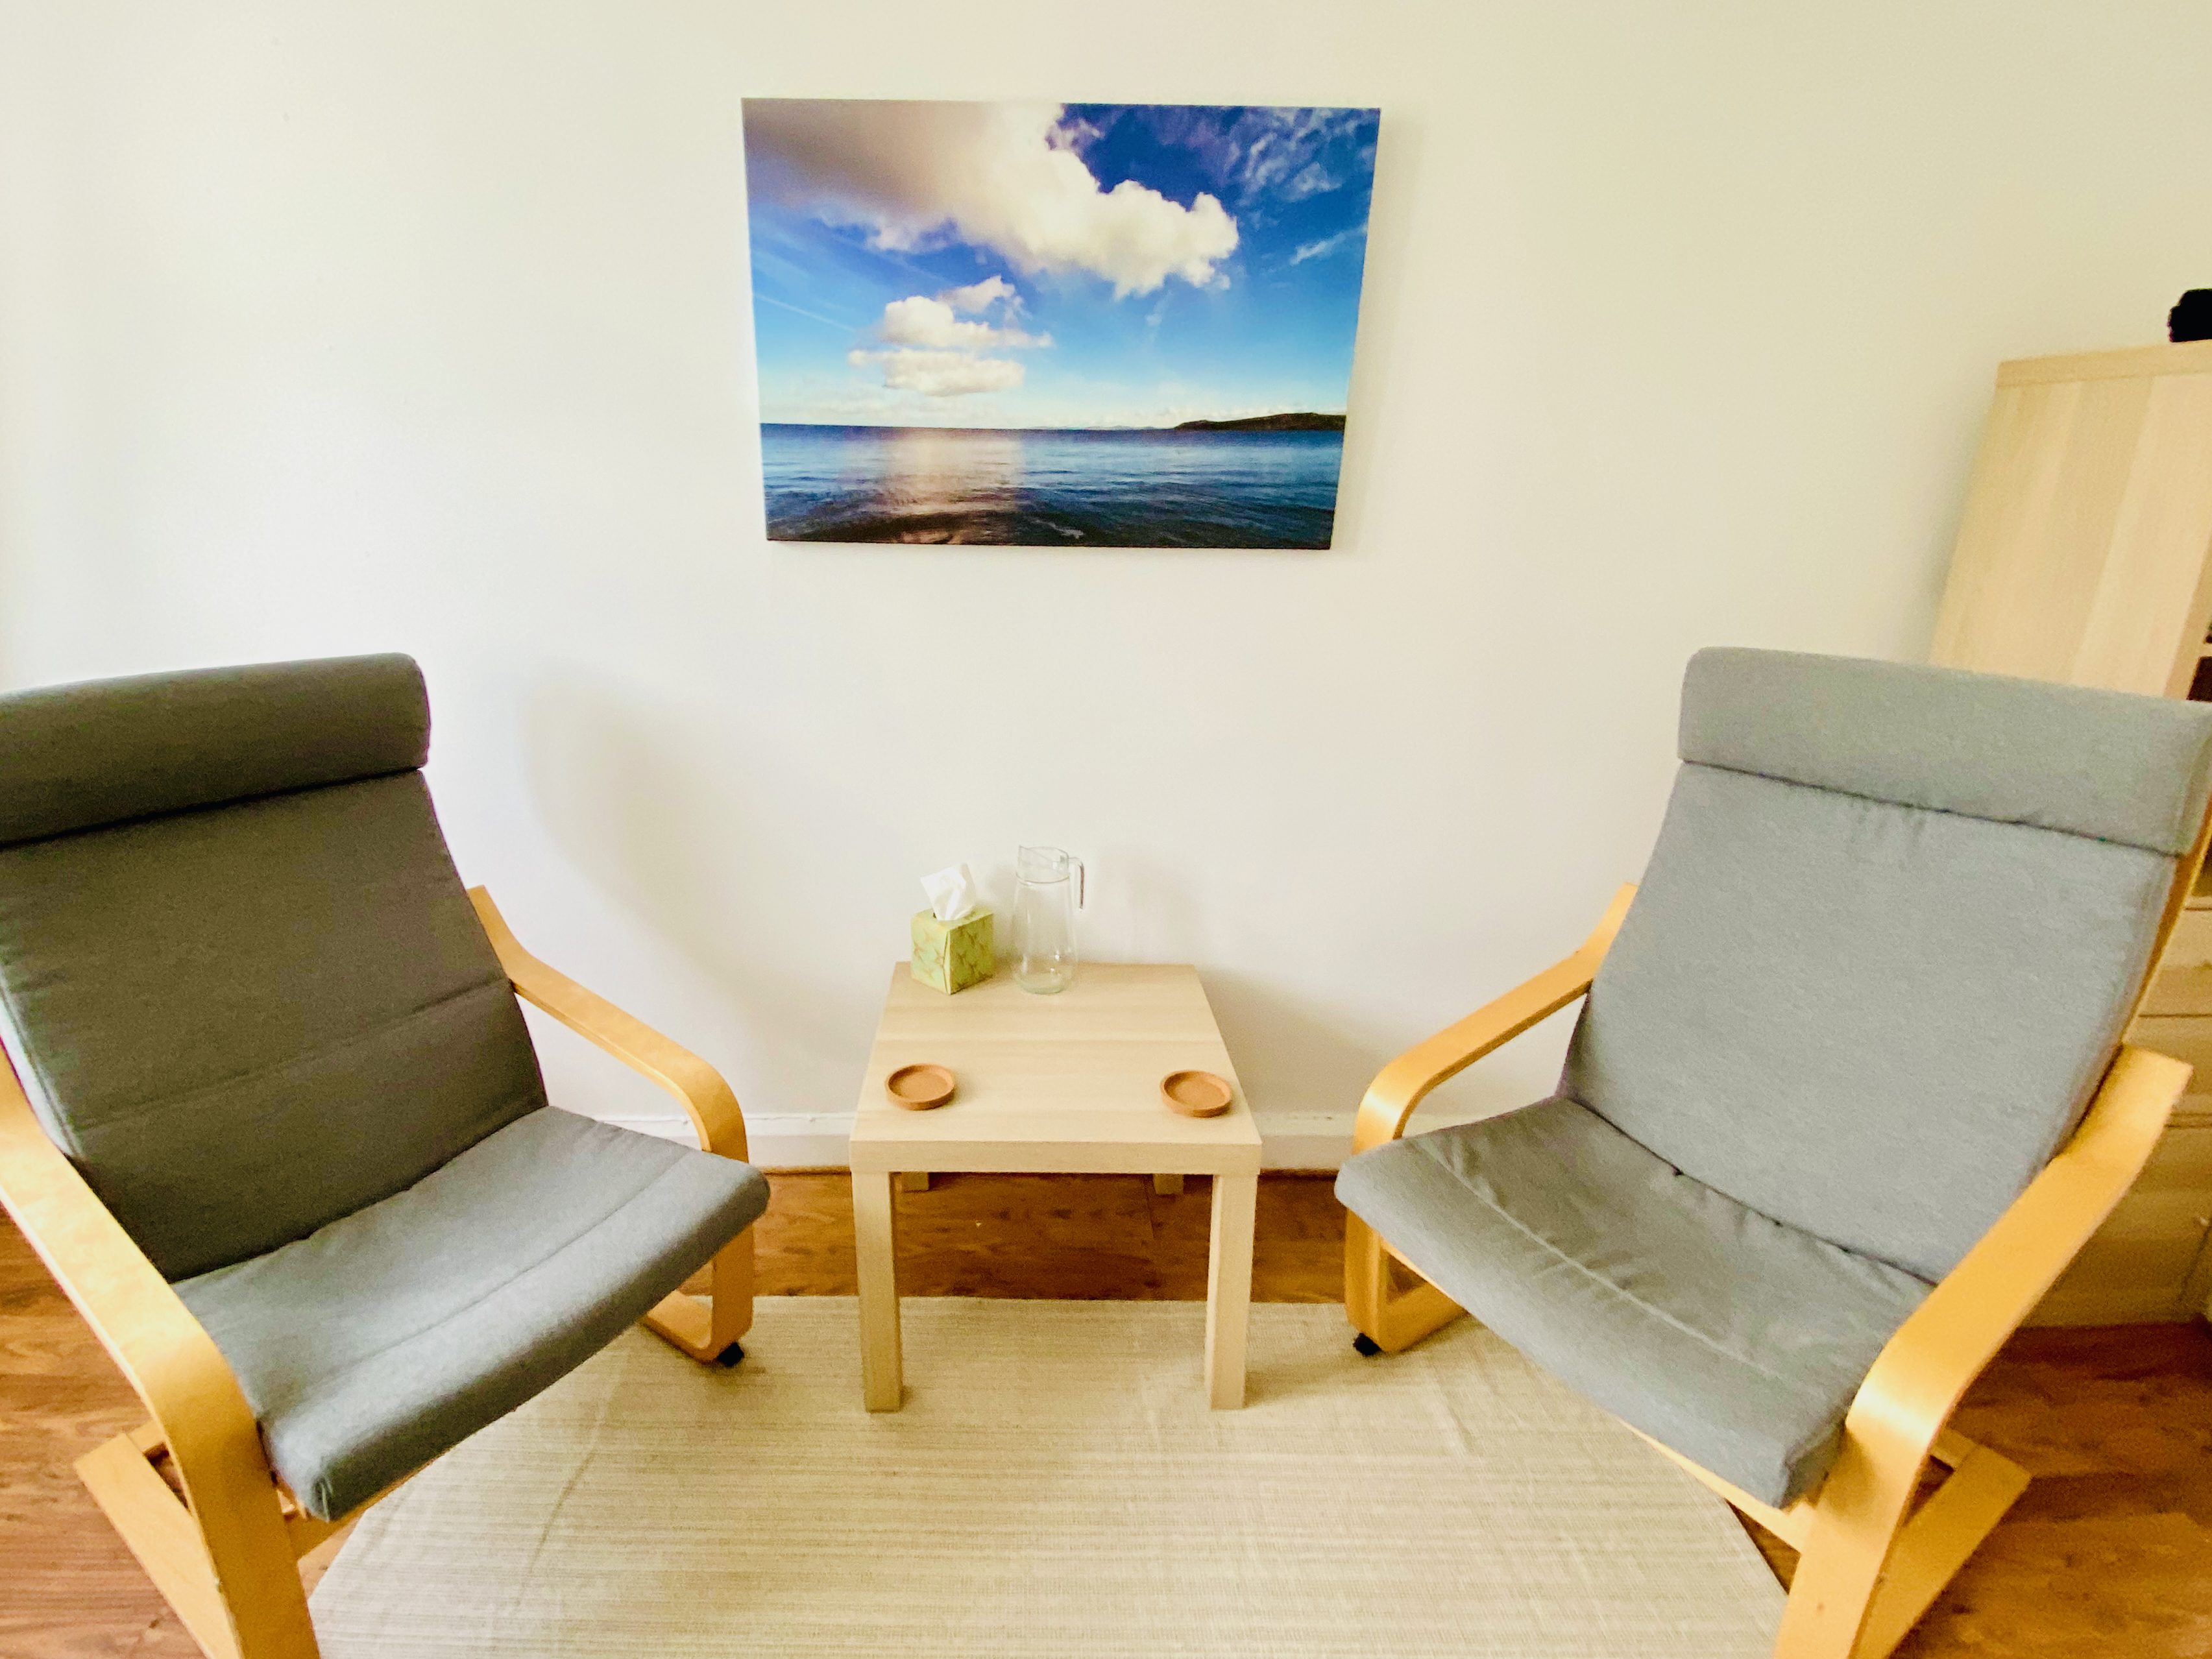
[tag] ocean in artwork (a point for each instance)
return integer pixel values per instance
(1053, 324)
(1032, 487)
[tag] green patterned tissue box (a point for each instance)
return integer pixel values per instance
(951, 955)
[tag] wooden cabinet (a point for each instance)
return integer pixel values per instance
(2151, 1260)
(2082, 554)
(2085, 556)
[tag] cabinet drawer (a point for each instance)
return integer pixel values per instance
(2192, 943)
(2187, 1038)
(2179, 990)
(2183, 984)
(2139, 1264)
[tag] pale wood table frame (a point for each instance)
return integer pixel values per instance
(192, 1492)
(1869, 1565)
(1061, 1085)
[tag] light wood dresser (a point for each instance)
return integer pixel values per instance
(2085, 556)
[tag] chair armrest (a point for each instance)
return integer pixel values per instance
(1403, 1083)
(164, 1353)
(1935, 1354)
(707, 1100)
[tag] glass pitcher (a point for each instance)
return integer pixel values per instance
(1047, 892)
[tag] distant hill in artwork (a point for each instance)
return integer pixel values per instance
(1304, 422)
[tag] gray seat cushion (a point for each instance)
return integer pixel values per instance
(1872, 1021)
(1731, 1338)
(388, 1336)
(1894, 924)
(242, 1018)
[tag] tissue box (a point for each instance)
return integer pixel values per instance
(951, 955)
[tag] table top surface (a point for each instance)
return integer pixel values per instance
(1068, 1083)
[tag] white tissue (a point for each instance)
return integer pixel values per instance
(951, 892)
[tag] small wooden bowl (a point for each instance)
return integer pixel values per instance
(918, 1087)
(1195, 1094)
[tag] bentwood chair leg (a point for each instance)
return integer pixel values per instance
(1868, 1573)
(1391, 1323)
(261, 1614)
(710, 1334)
(1854, 1524)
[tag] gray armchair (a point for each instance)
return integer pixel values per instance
(273, 1119)
(1846, 1095)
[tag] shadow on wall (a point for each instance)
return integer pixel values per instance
(1290, 1052)
(711, 843)
(1397, 187)
(1293, 1053)
(729, 847)
(1296, 1052)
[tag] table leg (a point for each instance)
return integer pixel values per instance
(1168, 1185)
(875, 1248)
(1229, 1288)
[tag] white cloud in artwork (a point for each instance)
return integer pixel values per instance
(1263, 152)
(940, 352)
(982, 297)
(1001, 175)
(1327, 246)
(919, 320)
(941, 373)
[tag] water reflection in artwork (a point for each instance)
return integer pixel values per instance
(1046, 489)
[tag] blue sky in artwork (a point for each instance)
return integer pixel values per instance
(1054, 265)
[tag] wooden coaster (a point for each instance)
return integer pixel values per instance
(918, 1087)
(1195, 1094)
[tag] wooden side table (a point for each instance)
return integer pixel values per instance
(1055, 1084)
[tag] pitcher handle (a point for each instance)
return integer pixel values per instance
(1081, 876)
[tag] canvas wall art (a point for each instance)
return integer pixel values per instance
(1054, 325)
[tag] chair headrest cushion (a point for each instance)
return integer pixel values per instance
(2107, 764)
(104, 752)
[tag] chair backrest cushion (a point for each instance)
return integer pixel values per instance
(1895, 922)
(239, 971)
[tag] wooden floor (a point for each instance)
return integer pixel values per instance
(2109, 1556)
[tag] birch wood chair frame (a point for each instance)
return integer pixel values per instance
(1869, 1563)
(705, 1333)
(192, 1492)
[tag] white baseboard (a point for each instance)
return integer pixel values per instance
(817, 1140)
(1304, 1140)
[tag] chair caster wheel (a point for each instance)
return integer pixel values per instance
(1366, 1344)
(729, 1355)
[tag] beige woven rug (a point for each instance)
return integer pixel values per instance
(1054, 1487)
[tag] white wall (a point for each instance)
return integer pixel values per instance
(425, 327)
